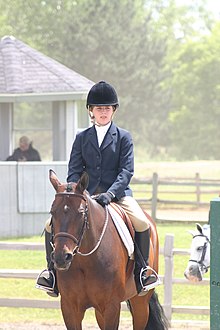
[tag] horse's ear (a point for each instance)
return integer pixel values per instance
(83, 182)
(199, 227)
(54, 179)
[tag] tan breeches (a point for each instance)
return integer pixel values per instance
(135, 213)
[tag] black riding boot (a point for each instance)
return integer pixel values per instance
(144, 282)
(47, 279)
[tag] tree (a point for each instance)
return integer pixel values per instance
(101, 39)
(133, 44)
(196, 114)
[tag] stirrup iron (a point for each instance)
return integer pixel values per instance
(46, 288)
(152, 285)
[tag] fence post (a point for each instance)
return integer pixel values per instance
(154, 196)
(215, 264)
(168, 275)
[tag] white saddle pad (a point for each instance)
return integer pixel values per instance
(122, 230)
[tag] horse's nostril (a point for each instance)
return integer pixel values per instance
(68, 257)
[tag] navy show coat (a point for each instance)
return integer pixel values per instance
(110, 166)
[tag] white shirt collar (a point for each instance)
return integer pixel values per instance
(101, 131)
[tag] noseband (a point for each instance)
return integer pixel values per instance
(84, 227)
(204, 249)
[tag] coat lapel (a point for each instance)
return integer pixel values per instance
(93, 138)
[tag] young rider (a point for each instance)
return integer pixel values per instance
(105, 152)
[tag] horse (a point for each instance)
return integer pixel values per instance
(199, 261)
(92, 264)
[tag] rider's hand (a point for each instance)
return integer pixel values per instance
(104, 198)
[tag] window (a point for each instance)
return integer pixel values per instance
(35, 121)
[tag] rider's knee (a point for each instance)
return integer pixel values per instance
(48, 225)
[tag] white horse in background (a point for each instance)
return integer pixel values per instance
(199, 261)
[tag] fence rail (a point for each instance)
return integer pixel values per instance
(155, 191)
(167, 280)
(27, 195)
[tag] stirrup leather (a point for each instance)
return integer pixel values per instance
(152, 285)
(46, 288)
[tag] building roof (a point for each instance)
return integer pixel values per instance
(26, 71)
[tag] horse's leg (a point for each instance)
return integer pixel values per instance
(140, 311)
(112, 316)
(109, 318)
(99, 319)
(72, 316)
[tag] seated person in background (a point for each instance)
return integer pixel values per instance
(25, 152)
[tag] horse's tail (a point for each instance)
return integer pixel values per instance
(157, 319)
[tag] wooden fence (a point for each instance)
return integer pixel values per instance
(200, 191)
(167, 280)
(27, 196)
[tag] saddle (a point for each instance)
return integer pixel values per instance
(124, 227)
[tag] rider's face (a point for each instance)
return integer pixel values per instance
(103, 114)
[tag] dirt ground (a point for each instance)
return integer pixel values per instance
(123, 326)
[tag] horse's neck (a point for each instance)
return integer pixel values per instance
(96, 219)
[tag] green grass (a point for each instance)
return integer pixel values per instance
(182, 294)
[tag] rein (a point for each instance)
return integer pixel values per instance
(100, 238)
(204, 249)
(85, 226)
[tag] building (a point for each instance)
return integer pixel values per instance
(40, 98)
(44, 100)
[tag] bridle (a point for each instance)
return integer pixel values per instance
(203, 267)
(85, 226)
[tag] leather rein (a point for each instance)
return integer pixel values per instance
(204, 249)
(85, 226)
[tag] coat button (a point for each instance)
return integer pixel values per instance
(98, 167)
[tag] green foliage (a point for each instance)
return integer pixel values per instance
(162, 59)
(111, 40)
(195, 119)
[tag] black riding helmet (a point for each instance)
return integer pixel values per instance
(101, 94)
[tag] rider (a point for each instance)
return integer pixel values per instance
(105, 152)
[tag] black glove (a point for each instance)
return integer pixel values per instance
(104, 198)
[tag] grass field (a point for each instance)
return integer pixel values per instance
(182, 294)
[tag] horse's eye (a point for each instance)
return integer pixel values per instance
(199, 248)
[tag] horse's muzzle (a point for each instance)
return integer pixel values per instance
(62, 261)
(193, 273)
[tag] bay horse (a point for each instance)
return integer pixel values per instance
(92, 264)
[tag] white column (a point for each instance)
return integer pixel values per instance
(71, 125)
(6, 130)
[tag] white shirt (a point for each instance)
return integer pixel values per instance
(101, 131)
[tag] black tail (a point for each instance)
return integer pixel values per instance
(157, 319)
